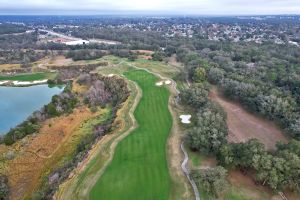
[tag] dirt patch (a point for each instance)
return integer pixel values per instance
(173, 61)
(60, 61)
(144, 54)
(244, 126)
(250, 189)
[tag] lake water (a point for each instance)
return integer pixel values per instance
(17, 103)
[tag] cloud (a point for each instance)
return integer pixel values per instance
(200, 7)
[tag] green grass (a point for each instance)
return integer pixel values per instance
(195, 157)
(28, 77)
(139, 168)
(234, 195)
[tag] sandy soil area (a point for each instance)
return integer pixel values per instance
(244, 126)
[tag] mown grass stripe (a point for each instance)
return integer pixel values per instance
(139, 168)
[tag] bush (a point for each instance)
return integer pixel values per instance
(210, 132)
(4, 189)
(212, 180)
(196, 96)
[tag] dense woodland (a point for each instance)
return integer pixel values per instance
(7, 28)
(265, 80)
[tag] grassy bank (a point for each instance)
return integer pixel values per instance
(28, 77)
(139, 167)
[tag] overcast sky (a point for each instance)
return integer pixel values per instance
(192, 7)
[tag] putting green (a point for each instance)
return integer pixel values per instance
(139, 168)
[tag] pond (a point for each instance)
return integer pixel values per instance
(18, 103)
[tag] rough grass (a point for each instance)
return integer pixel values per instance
(9, 66)
(78, 187)
(55, 144)
(28, 77)
(139, 168)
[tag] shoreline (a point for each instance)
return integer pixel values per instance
(10, 83)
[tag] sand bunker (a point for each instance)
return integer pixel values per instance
(160, 83)
(29, 82)
(3, 82)
(168, 82)
(185, 119)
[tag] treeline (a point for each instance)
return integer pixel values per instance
(210, 129)
(148, 40)
(6, 28)
(264, 78)
(23, 41)
(248, 78)
(270, 102)
(23, 57)
(279, 170)
(84, 54)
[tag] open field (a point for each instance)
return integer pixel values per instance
(29, 77)
(139, 167)
(122, 65)
(244, 126)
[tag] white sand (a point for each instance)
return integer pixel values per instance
(29, 82)
(168, 82)
(3, 82)
(185, 119)
(159, 83)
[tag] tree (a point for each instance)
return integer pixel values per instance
(215, 75)
(199, 75)
(212, 180)
(196, 96)
(226, 156)
(158, 56)
(209, 134)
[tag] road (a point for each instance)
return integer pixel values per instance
(187, 172)
(100, 41)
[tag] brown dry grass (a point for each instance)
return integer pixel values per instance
(37, 155)
(244, 126)
(9, 66)
(144, 54)
(60, 60)
(102, 151)
(173, 61)
(80, 89)
(248, 186)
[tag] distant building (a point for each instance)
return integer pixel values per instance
(77, 42)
